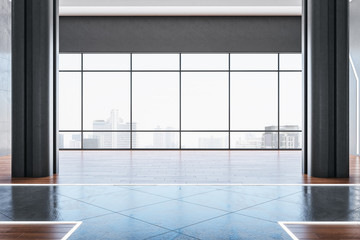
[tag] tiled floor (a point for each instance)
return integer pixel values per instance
(179, 212)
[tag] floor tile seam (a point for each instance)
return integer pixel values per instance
(348, 212)
(6, 216)
(180, 197)
(172, 231)
(175, 228)
(97, 216)
(188, 235)
(254, 206)
(148, 205)
(247, 194)
(288, 201)
(199, 194)
(201, 205)
(236, 212)
(141, 220)
(157, 195)
(98, 206)
(209, 219)
(93, 205)
(258, 218)
(279, 198)
(65, 196)
(95, 195)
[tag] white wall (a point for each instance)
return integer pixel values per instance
(354, 74)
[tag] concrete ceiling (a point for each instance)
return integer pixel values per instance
(180, 7)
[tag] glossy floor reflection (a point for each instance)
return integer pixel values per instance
(179, 212)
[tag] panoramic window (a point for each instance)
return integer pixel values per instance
(180, 101)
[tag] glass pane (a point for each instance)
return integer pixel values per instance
(70, 61)
(254, 100)
(156, 101)
(106, 101)
(290, 61)
(69, 140)
(204, 140)
(69, 101)
(254, 140)
(290, 101)
(254, 62)
(156, 140)
(205, 62)
(291, 140)
(106, 140)
(205, 101)
(155, 62)
(106, 61)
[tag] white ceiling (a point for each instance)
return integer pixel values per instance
(180, 7)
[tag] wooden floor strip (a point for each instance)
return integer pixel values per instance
(31, 230)
(324, 231)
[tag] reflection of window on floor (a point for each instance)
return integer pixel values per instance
(180, 101)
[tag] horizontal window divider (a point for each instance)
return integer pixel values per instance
(204, 131)
(70, 131)
(155, 71)
(178, 149)
(183, 131)
(290, 131)
(254, 131)
(106, 71)
(90, 131)
(186, 52)
(190, 71)
(265, 149)
(151, 131)
(176, 71)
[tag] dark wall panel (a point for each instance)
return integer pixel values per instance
(5, 77)
(180, 34)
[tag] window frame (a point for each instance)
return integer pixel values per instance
(229, 131)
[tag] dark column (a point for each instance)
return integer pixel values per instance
(326, 82)
(34, 79)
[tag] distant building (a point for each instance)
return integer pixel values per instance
(165, 139)
(212, 142)
(61, 141)
(75, 141)
(110, 139)
(249, 141)
(287, 139)
(270, 139)
(91, 143)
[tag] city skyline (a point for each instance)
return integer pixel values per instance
(167, 138)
